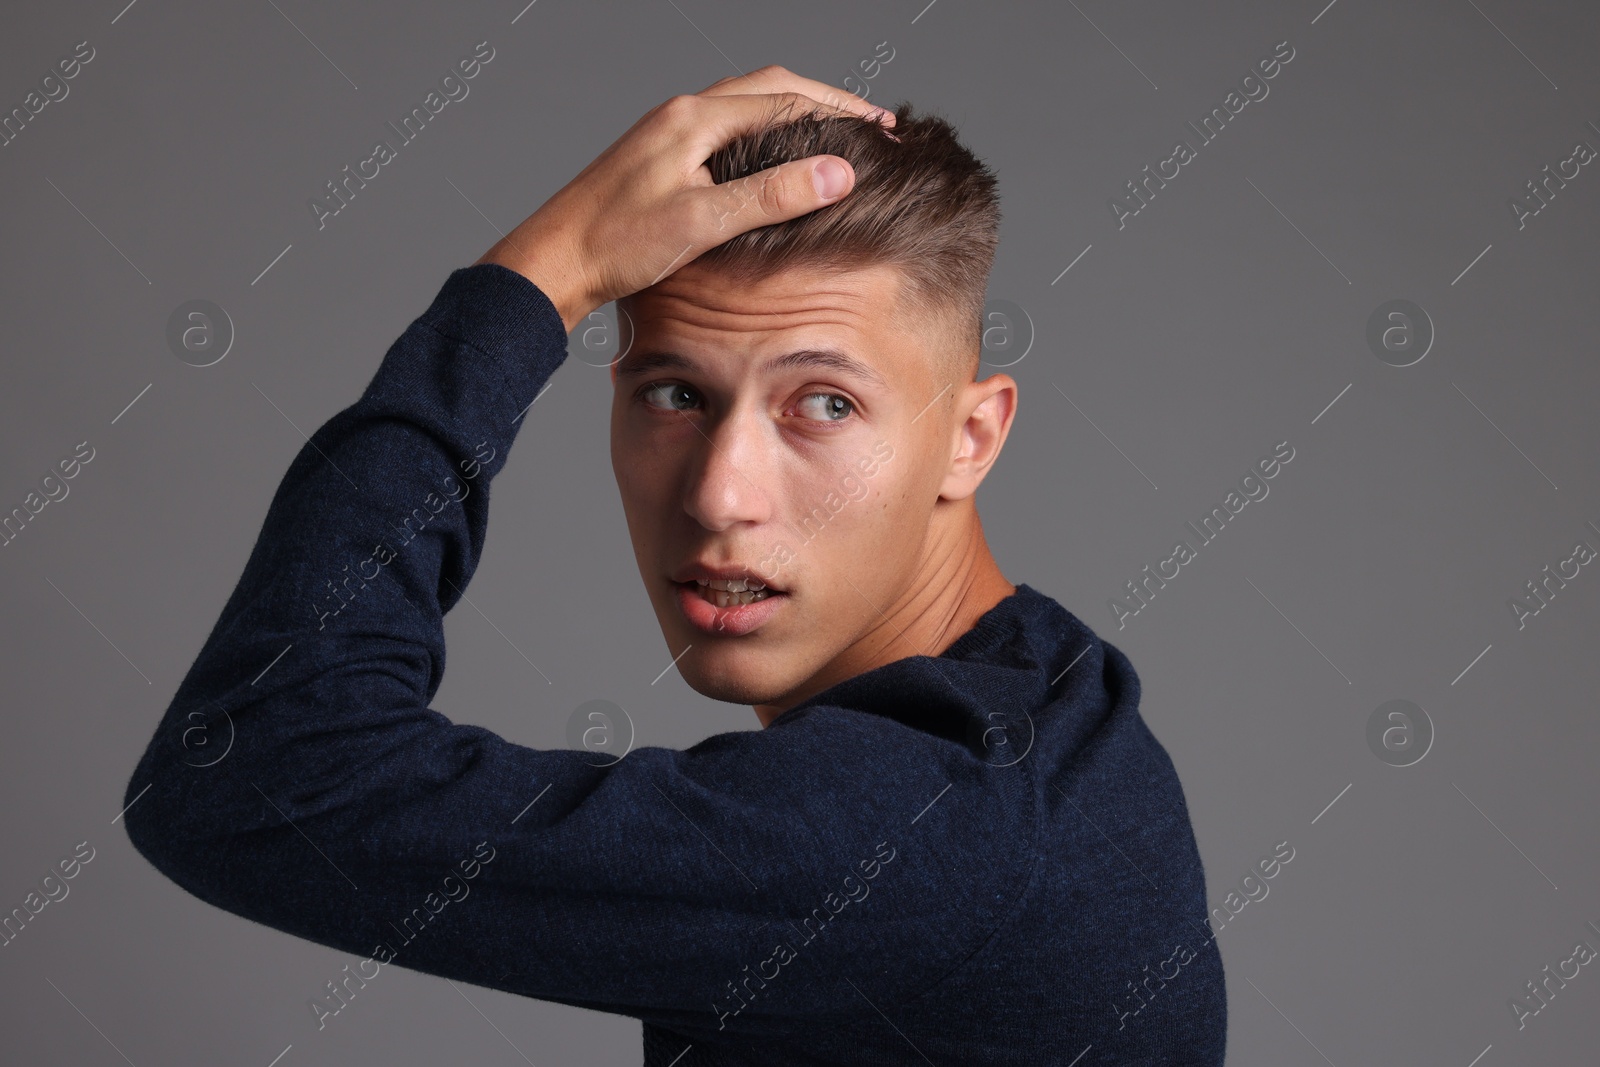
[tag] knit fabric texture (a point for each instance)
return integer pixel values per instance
(980, 857)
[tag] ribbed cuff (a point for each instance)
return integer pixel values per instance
(505, 316)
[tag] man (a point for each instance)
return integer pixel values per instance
(953, 841)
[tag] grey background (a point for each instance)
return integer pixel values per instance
(1224, 318)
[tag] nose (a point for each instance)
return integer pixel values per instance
(729, 479)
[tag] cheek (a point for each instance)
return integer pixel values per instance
(897, 512)
(860, 514)
(643, 482)
(637, 458)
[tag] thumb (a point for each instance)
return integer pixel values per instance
(780, 193)
(831, 178)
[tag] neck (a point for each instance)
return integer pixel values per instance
(955, 585)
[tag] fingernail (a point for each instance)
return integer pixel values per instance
(830, 178)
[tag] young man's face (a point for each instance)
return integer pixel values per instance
(739, 455)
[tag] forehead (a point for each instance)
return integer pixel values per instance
(859, 311)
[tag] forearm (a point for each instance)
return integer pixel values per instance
(332, 644)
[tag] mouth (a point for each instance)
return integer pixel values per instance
(727, 606)
(730, 592)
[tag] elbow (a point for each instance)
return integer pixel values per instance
(164, 829)
(182, 790)
(168, 817)
(151, 833)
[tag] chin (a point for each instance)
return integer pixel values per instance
(747, 683)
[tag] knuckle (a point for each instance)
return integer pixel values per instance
(835, 99)
(769, 191)
(680, 106)
(788, 105)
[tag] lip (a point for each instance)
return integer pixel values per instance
(709, 572)
(735, 621)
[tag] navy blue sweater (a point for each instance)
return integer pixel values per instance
(982, 857)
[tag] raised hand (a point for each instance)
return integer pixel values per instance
(647, 205)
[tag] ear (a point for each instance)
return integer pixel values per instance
(985, 410)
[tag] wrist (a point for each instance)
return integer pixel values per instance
(549, 275)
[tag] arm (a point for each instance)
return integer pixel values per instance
(350, 813)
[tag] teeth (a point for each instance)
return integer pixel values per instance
(732, 585)
(722, 598)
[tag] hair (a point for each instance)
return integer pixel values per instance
(922, 202)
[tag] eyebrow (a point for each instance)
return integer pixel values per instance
(635, 366)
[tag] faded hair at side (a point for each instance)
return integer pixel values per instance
(922, 202)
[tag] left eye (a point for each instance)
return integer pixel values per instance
(830, 407)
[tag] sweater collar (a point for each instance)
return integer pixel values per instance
(986, 688)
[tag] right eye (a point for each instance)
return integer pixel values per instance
(670, 394)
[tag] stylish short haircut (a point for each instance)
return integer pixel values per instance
(922, 202)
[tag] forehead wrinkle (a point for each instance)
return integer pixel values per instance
(796, 292)
(690, 307)
(697, 313)
(650, 361)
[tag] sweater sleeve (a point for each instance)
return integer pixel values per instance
(300, 779)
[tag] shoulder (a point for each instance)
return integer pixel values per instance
(843, 805)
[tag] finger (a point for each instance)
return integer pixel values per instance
(775, 194)
(828, 96)
(706, 123)
(776, 79)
